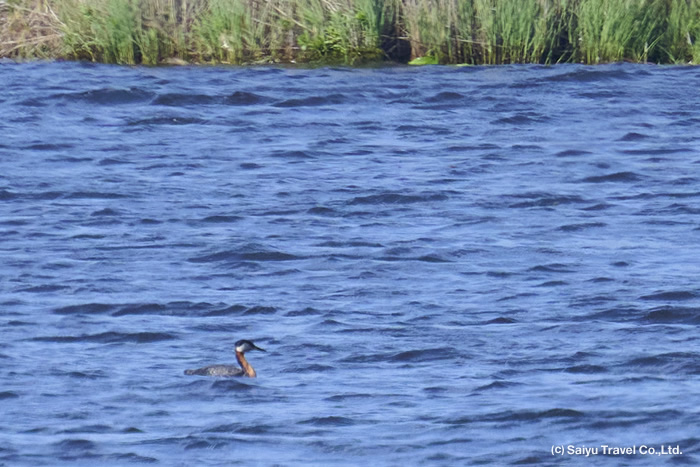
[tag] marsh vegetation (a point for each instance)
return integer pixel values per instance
(352, 31)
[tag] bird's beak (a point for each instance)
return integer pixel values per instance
(258, 348)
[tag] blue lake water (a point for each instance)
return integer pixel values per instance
(446, 266)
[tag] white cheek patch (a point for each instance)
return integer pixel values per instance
(240, 348)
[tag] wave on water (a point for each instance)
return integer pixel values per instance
(110, 337)
(675, 295)
(246, 253)
(180, 308)
(591, 75)
(313, 101)
(108, 96)
(397, 198)
(679, 315)
(614, 177)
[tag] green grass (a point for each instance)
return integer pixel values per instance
(512, 31)
(439, 29)
(553, 31)
(681, 40)
(121, 31)
(614, 30)
(352, 31)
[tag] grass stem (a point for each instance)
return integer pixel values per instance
(352, 31)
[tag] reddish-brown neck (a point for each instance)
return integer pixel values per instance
(249, 371)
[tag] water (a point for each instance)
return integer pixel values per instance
(447, 266)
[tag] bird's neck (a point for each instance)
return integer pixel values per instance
(249, 371)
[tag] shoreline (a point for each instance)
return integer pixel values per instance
(351, 32)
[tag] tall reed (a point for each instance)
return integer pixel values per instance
(221, 33)
(341, 30)
(350, 31)
(612, 30)
(486, 31)
(681, 41)
(439, 28)
(123, 31)
(511, 30)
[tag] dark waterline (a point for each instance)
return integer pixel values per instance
(446, 266)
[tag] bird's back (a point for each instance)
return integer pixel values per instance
(216, 370)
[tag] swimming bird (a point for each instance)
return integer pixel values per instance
(242, 346)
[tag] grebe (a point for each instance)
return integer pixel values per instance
(242, 347)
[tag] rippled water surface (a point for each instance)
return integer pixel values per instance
(447, 266)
